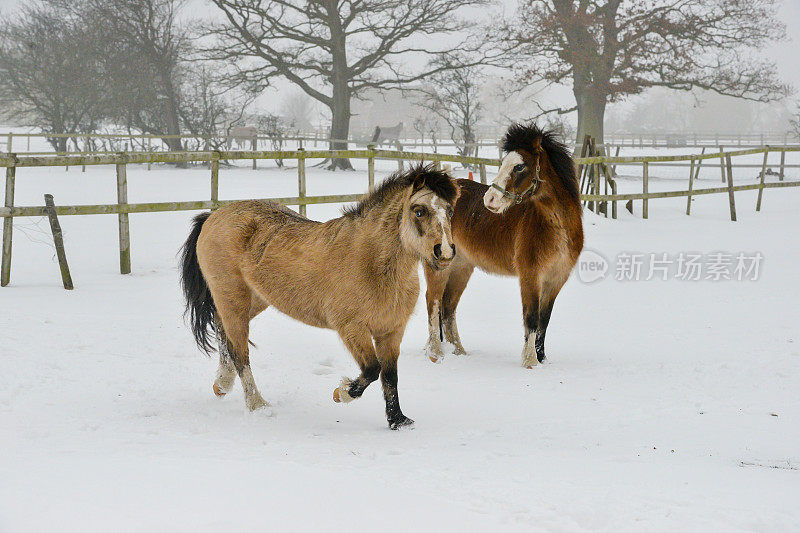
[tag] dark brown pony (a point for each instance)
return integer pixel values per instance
(526, 224)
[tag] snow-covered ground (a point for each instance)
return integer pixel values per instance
(665, 405)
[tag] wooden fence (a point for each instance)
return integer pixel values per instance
(131, 142)
(597, 167)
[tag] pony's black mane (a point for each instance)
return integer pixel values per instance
(521, 136)
(437, 181)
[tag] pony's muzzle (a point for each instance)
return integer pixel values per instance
(439, 261)
(493, 201)
(437, 252)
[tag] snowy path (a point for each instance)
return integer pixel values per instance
(666, 405)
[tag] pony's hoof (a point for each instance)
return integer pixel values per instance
(256, 404)
(434, 355)
(459, 350)
(341, 394)
(529, 363)
(403, 422)
(219, 392)
(433, 349)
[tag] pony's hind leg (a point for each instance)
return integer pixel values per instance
(359, 343)
(235, 315)
(457, 282)
(226, 372)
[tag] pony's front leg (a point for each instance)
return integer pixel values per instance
(541, 329)
(460, 273)
(436, 283)
(530, 320)
(433, 348)
(388, 351)
(359, 343)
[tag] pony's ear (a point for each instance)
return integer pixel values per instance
(419, 182)
(537, 146)
(457, 187)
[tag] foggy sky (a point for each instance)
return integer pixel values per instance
(785, 54)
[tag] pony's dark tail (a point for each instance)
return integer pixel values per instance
(199, 303)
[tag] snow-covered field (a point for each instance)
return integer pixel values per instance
(665, 405)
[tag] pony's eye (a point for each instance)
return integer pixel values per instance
(420, 211)
(519, 167)
(449, 212)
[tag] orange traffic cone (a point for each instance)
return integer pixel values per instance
(470, 177)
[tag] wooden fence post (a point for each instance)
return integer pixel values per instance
(399, 160)
(645, 178)
(482, 170)
(8, 228)
(783, 163)
(722, 163)
(58, 240)
(124, 229)
(691, 183)
(214, 180)
(10, 143)
(255, 148)
(371, 166)
(730, 188)
(763, 176)
(301, 179)
(149, 150)
(699, 163)
(85, 149)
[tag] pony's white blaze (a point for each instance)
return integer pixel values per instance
(439, 207)
(493, 200)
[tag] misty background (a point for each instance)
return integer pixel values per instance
(464, 83)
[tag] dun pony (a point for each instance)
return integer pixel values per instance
(526, 224)
(356, 274)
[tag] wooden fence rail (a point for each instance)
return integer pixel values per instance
(122, 208)
(145, 141)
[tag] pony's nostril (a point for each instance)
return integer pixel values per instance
(437, 251)
(453, 247)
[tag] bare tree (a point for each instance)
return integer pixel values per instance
(48, 78)
(425, 124)
(613, 48)
(335, 49)
(453, 95)
(296, 109)
(142, 48)
(208, 108)
(794, 123)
